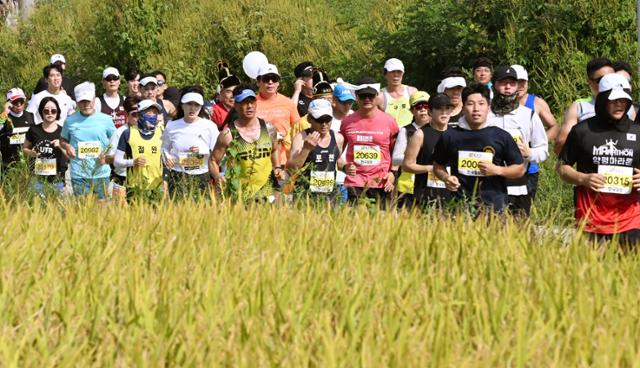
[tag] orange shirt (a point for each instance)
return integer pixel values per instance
(280, 111)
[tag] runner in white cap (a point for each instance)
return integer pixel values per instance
(111, 103)
(149, 91)
(187, 144)
(12, 132)
(394, 99)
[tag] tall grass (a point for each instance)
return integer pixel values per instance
(212, 284)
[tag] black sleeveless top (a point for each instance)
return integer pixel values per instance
(320, 167)
(119, 114)
(422, 190)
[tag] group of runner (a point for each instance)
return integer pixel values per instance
(480, 144)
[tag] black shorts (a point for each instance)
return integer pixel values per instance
(378, 195)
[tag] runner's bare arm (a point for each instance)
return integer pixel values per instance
(570, 119)
(275, 145)
(572, 176)
(340, 143)
(451, 181)
(219, 150)
(27, 149)
(549, 121)
(513, 171)
(171, 109)
(411, 154)
(299, 151)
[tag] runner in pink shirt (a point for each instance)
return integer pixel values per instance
(370, 135)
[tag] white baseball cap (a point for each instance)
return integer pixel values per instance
(268, 69)
(85, 91)
(110, 71)
(393, 64)
(146, 80)
(319, 108)
(145, 104)
(617, 84)
(192, 97)
(57, 57)
(521, 72)
(16, 94)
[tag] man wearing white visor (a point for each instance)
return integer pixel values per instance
(606, 155)
(452, 86)
(187, 143)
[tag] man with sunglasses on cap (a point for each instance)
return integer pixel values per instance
(418, 157)
(276, 108)
(394, 99)
(584, 108)
(370, 135)
(604, 150)
(150, 91)
(525, 127)
(475, 159)
(255, 151)
(67, 83)
(111, 103)
(85, 138)
(322, 89)
(420, 108)
(303, 86)
(317, 151)
(228, 82)
(13, 130)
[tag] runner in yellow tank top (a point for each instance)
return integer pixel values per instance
(394, 99)
(255, 143)
(139, 150)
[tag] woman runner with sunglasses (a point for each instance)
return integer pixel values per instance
(42, 143)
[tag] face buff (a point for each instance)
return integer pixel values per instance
(147, 123)
(504, 104)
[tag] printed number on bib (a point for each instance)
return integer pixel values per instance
(88, 150)
(45, 166)
(322, 181)
(433, 181)
(191, 161)
(367, 155)
(469, 162)
(617, 179)
(18, 136)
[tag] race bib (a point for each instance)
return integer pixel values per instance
(45, 166)
(367, 155)
(516, 134)
(468, 162)
(88, 150)
(18, 136)
(618, 179)
(517, 190)
(322, 181)
(433, 181)
(190, 161)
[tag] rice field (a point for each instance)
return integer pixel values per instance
(206, 284)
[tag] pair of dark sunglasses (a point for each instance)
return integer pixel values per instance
(49, 111)
(111, 78)
(365, 96)
(324, 120)
(270, 78)
(17, 102)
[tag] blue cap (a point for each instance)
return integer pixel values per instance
(246, 93)
(342, 93)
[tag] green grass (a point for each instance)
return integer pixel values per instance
(193, 284)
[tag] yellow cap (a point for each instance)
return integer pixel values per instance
(418, 96)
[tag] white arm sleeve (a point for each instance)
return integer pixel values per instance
(399, 148)
(539, 141)
(120, 162)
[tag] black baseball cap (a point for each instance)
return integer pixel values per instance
(439, 100)
(504, 72)
(304, 69)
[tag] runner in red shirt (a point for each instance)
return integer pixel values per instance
(228, 83)
(370, 135)
(605, 150)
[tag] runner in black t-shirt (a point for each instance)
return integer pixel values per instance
(605, 152)
(12, 132)
(42, 143)
(480, 157)
(418, 158)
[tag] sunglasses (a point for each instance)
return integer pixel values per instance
(365, 96)
(111, 78)
(324, 120)
(161, 83)
(421, 106)
(17, 102)
(270, 78)
(50, 111)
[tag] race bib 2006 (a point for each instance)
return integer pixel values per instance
(617, 179)
(88, 150)
(367, 155)
(468, 162)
